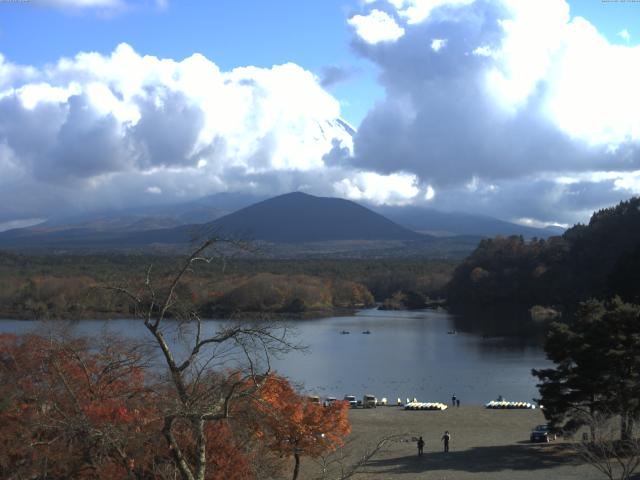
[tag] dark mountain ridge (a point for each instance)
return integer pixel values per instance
(289, 218)
(299, 217)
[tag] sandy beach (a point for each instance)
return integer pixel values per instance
(485, 444)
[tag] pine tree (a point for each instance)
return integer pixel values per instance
(597, 367)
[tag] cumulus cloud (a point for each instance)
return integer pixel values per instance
(393, 189)
(96, 131)
(482, 112)
(501, 107)
(416, 11)
(376, 27)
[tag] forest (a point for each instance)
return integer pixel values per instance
(597, 260)
(72, 286)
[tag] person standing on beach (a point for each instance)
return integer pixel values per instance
(457, 402)
(445, 438)
(420, 446)
(453, 400)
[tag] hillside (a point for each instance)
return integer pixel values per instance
(600, 260)
(292, 218)
(439, 223)
(299, 217)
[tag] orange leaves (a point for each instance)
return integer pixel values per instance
(77, 411)
(295, 425)
(69, 408)
(108, 411)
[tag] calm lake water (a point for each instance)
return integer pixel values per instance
(407, 354)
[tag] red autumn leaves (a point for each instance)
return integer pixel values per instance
(71, 409)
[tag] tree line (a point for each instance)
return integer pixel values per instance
(62, 286)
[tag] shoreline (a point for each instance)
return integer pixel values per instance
(275, 316)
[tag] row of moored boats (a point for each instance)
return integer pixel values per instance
(425, 406)
(509, 405)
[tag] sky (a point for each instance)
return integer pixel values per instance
(522, 110)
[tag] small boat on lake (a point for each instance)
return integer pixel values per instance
(366, 332)
(345, 332)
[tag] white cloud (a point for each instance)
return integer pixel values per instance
(484, 51)
(74, 129)
(430, 193)
(523, 94)
(250, 118)
(589, 84)
(100, 131)
(394, 189)
(437, 44)
(416, 11)
(376, 27)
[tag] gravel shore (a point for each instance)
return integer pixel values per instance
(485, 444)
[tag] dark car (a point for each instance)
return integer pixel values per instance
(542, 433)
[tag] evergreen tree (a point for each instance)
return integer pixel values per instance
(597, 367)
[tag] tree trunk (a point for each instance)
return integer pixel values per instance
(625, 426)
(201, 448)
(296, 468)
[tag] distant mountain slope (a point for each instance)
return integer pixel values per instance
(457, 223)
(299, 217)
(290, 218)
(201, 210)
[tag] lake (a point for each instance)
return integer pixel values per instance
(407, 354)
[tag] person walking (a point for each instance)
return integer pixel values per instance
(420, 446)
(457, 402)
(445, 438)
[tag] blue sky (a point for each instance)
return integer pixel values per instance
(504, 107)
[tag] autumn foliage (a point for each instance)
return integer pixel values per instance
(296, 426)
(70, 411)
(73, 409)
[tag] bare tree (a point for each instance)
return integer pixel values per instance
(212, 371)
(615, 458)
(343, 463)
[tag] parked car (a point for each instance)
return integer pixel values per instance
(314, 399)
(353, 403)
(542, 433)
(330, 401)
(369, 401)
